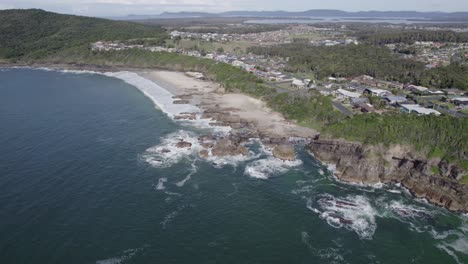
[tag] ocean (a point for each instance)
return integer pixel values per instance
(83, 180)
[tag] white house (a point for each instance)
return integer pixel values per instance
(377, 92)
(298, 83)
(414, 108)
(347, 94)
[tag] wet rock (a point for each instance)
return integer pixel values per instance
(204, 153)
(207, 141)
(165, 151)
(284, 152)
(183, 96)
(191, 116)
(242, 150)
(219, 124)
(181, 102)
(183, 144)
(225, 147)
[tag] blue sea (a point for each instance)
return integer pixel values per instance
(83, 180)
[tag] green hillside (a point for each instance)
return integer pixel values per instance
(35, 33)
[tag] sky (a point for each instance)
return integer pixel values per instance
(152, 7)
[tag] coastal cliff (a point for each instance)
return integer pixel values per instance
(432, 179)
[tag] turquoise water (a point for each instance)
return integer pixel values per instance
(81, 182)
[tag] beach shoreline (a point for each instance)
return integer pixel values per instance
(225, 109)
(233, 118)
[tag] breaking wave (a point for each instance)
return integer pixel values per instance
(164, 100)
(268, 167)
(352, 212)
(126, 255)
(454, 242)
(166, 154)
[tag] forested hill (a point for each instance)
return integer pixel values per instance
(35, 33)
(409, 37)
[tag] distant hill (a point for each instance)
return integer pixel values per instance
(311, 13)
(35, 33)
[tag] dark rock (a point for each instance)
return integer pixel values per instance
(363, 164)
(183, 96)
(181, 102)
(183, 144)
(165, 151)
(225, 147)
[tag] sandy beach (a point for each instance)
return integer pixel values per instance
(236, 110)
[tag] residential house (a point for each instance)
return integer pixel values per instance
(416, 89)
(366, 107)
(415, 108)
(395, 100)
(296, 83)
(460, 101)
(377, 92)
(342, 93)
(360, 100)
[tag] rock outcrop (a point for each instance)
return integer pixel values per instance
(181, 102)
(226, 147)
(432, 179)
(284, 152)
(183, 144)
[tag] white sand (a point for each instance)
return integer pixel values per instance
(209, 95)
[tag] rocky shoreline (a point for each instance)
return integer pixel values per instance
(354, 162)
(358, 163)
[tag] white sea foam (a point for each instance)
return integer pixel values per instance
(234, 161)
(268, 167)
(331, 167)
(403, 211)
(453, 242)
(163, 99)
(352, 212)
(160, 185)
(166, 154)
(126, 255)
(188, 177)
(170, 217)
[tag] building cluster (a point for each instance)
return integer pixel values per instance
(433, 54)
(265, 68)
(281, 36)
(334, 42)
(359, 93)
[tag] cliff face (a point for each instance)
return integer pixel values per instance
(432, 179)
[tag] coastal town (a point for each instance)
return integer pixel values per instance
(354, 95)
